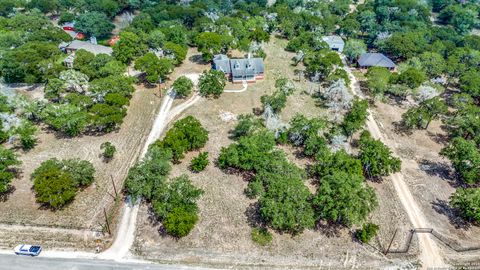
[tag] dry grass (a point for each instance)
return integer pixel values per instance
(222, 235)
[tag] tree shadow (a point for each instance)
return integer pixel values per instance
(438, 138)
(253, 215)
(5, 195)
(440, 170)
(198, 59)
(329, 229)
(400, 128)
(442, 207)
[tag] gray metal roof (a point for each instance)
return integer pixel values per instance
(222, 63)
(93, 48)
(246, 67)
(333, 40)
(375, 60)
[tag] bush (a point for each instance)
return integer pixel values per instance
(467, 201)
(108, 150)
(200, 162)
(212, 83)
(56, 181)
(179, 222)
(8, 159)
(183, 86)
(26, 132)
(187, 134)
(261, 236)
(367, 232)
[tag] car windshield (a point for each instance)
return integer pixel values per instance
(34, 249)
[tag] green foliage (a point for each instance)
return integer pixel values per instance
(421, 116)
(354, 48)
(355, 119)
(405, 45)
(465, 158)
(109, 150)
(183, 86)
(56, 181)
(187, 134)
(378, 80)
(463, 19)
(261, 236)
(155, 68)
(26, 132)
(285, 205)
(367, 232)
(330, 162)
(376, 157)
(8, 160)
(412, 77)
(200, 162)
(44, 6)
(129, 47)
(68, 119)
(210, 43)
(433, 63)
(321, 63)
(470, 83)
(302, 129)
(212, 83)
(247, 125)
(467, 201)
(277, 101)
(178, 51)
(179, 222)
(344, 198)
(94, 24)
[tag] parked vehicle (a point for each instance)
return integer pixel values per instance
(27, 250)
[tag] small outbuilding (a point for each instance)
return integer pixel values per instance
(335, 43)
(367, 60)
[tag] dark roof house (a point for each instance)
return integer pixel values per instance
(88, 46)
(221, 62)
(367, 60)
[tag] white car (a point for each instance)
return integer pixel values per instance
(27, 250)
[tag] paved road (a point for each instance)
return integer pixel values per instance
(13, 262)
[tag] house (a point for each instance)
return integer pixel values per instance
(367, 60)
(88, 46)
(335, 43)
(240, 70)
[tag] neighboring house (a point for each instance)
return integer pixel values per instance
(239, 70)
(75, 45)
(367, 60)
(88, 46)
(69, 26)
(335, 43)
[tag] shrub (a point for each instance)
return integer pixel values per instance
(179, 222)
(367, 232)
(26, 132)
(200, 162)
(108, 150)
(212, 83)
(261, 236)
(467, 201)
(183, 86)
(8, 159)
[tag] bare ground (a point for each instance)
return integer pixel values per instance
(431, 180)
(222, 236)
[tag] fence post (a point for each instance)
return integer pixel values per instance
(391, 241)
(114, 187)
(106, 220)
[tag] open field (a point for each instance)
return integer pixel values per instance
(83, 218)
(222, 235)
(430, 177)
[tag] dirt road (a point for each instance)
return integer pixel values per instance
(430, 253)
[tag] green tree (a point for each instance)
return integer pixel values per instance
(53, 186)
(467, 201)
(465, 158)
(367, 232)
(210, 43)
(212, 83)
(463, 19)
(200, 162)
(376, 157)
(422, 116)
(247, 125)
(66, 118)
(8, 160)
(109, 150)
(179, 222)
(183, 86)
(355, 119)
(156, 39)
(378, 80)
(178, 51)
(154, 67)
(412, 77)
(327, 163)
(344, 199)
(354, 48)
(129, 47)
(94, 24)
(321, 63)
(285, 206)
(26, 132)
(470, 83)
(433, 63)
(44, 6)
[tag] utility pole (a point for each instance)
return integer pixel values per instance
(106, 220)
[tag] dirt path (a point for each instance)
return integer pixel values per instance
(430, 253)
